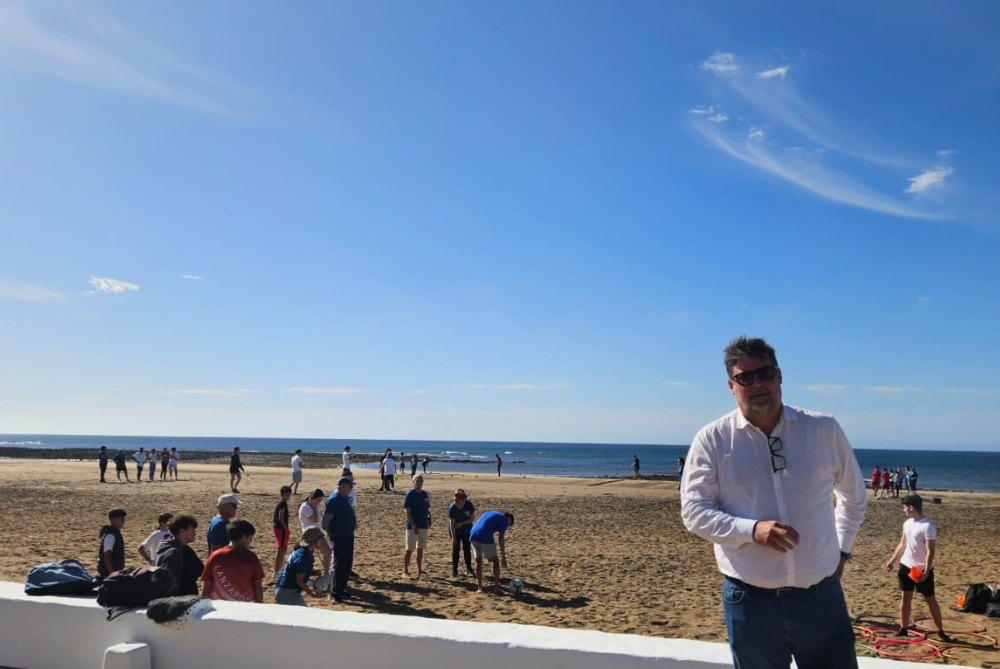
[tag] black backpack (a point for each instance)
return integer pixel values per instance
(66, 577)
(976, 598)
(133, 587)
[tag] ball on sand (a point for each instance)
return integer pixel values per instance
(322, 583)
(516, 586)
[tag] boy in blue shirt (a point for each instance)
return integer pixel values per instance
(295, 577)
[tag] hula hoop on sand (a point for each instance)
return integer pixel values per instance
(880, 645)
(862, 632)
(911, 634)
(862, 649)
(976, 627)
(989, 642)
(954, 653)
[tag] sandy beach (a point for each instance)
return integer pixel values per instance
(607, 554)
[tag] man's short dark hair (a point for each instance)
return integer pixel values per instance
(915, 501)
(164, 518)
(239, 529)
(509, 517)
(116, 513)
(297, 451)
(286, 488)
(182, 523)
(748, 347)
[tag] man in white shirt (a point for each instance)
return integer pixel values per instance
(296, 471)
(346, 459)
(758, 483)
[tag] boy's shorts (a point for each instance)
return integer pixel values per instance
(281, 536)
(416, 539)
(485, 551)
(297, 477)
(907, 584)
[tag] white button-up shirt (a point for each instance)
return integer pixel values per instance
(729, 484)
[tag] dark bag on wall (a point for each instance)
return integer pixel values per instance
(66, 577)
(134, 587)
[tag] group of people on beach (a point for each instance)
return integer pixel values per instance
(232, 571)
(166, 459)
(888, 483)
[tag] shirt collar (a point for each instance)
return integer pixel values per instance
(787, 414)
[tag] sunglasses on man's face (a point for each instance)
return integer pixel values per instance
(761, 373)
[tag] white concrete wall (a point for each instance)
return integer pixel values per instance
(72, 633)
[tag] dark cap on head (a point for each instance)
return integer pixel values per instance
(345, 480)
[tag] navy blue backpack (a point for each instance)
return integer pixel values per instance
(66, 577)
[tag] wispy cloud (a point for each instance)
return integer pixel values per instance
(826, 388)
(514, 386)
(709, 112)
(892, 390)
(113, 286)
(190, 277)
(81, 46)
(721, 63)
(212, 392)
(824, 158)
(927, 299)
(932, 178)
(18, 291)
(944, 153)
(319, 390)
(779, 72)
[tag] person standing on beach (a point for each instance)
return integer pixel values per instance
(154, 459)
(345, 459)
(916, 548)
(176, 555)
(759, 484)
(913, 480)
(876, 479)
(310, 516)
(296, 471)
(340, 522)
(389, 471)
(174, 458)
(483, 547)
(499, 463)
(164, 463)
(461, 517)
(120, 466)
(147, 549)
(635, 467)
(426, 461)
(102, 461)
(413, 465)
(111, 553)
(217, 537)
(235, 467)
(417, 508)
(282, 532)
(234, 573)
(140, 462)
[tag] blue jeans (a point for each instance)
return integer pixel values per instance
(768, 627)
(289, 597)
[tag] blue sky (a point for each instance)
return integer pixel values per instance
(534, 221)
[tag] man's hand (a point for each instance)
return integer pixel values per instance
(775, 534)
(889, 566)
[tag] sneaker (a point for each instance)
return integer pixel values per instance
(469, 572)
(944, 637)
(454, 573)
(337, 599)
(902, 632)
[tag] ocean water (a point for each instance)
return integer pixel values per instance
(977, 471)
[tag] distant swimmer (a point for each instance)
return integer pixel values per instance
(499, 463)
(635, 467)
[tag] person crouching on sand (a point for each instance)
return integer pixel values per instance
(295, 577)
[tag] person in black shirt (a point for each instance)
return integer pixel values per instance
(282, 533)
(111, 551)
(235, 467)
(177, 556)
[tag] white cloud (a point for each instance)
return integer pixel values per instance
(756, 135)
(891, 390)
(931, 178)
(212, 392)
(81, 46)
(190, 277)
(808, 173)
(17, 291)
(721, 63)
(701, 110)
(515, 386)
(944, 153)
(114, 286)
(776, 72)
(317, 390)
(718, 118)
(826, 388)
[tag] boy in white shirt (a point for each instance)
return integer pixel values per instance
(917, 547)
(147, 549)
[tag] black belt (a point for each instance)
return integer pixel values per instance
(781, 592)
